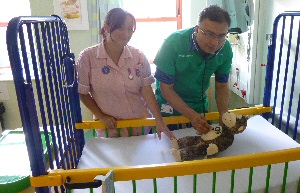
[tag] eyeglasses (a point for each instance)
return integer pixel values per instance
(211, 35)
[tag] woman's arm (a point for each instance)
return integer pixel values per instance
(109, 121)
(152, 104)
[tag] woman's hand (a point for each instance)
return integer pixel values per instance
(109, 121)
(161, 127)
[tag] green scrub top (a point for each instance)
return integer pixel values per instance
(191, 70)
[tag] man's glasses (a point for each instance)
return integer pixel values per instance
(211, 35)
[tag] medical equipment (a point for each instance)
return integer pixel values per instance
(241, 13)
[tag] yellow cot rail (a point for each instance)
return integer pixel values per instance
(58, 177)
(170, 120)
(127, 173)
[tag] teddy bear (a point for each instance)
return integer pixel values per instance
(218, 139)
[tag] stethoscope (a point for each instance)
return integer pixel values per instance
(214, 54)
(207, 59)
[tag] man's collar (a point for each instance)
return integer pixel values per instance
(195, 46)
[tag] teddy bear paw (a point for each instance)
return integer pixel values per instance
(198, 132)
(212, 149)
(174, 143)
(176, 154)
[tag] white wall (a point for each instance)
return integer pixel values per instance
(281, 6)
(269, 9)
(252, 73)
(11, 116)
(78, 41)
(191, 10)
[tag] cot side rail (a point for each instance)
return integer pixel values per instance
(44, 75)
(125, 173)
(170, 120)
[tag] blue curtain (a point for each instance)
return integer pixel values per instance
(99, 9)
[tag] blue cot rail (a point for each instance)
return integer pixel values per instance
(44, 75)
(282, 70)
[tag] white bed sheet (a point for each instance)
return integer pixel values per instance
(260, 136)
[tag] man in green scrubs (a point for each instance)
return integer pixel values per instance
(186, 61)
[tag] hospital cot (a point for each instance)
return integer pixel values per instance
(261, 159)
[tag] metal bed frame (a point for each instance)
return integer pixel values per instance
(285, 71)
(44, 74)
(43, 68)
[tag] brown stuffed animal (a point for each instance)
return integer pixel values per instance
(216, 140)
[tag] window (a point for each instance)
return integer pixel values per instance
(10, 9)
(156, 20)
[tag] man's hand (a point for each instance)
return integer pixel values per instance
(200, 124)
(220, 121)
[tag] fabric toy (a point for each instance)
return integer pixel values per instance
(216, 140)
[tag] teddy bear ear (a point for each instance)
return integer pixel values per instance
(229, 119)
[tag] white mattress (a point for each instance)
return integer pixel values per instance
(260, 136)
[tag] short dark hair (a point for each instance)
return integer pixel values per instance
(214, 13)
(115, 19)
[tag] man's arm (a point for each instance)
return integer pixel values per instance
(198, 121)
(222, 96)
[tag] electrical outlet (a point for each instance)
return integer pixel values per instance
(3, 91)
